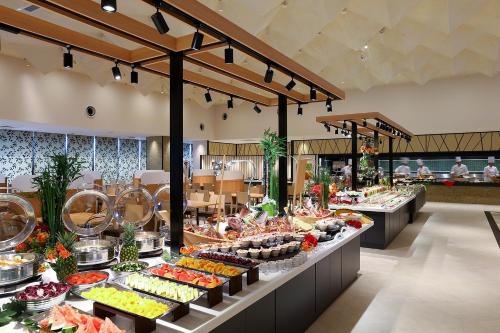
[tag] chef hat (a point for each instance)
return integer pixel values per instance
(420, 162)
(491, 159)
(458, 159)
(349, 161)
(405, 160)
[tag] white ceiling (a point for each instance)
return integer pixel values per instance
(355, 44)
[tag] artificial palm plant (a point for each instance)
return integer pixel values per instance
(273, 147)
(52, 185)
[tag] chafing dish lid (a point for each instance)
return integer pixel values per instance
(17, 220)
(134, 205)
(87, 213)
(162, 203)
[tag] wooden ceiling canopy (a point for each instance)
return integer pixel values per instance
(153, 54)
(368, 122)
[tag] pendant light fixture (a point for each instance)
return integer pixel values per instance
(134, 76)
(208, 97)
(197, 41)
(230, 102)
(68, 58)
(116, 72)
(256, 108)
(290, 84)
(228, 54)
(299, 110)
(108, 6)
(159, 21)
(312, 93)
(268, 78)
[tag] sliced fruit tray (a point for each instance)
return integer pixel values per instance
(211, 267)
(190, 277)
(154, 302)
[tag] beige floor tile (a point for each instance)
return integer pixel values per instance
(441, 274)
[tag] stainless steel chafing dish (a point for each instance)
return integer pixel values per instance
(88, 213)
(17, 222)
(135, 206)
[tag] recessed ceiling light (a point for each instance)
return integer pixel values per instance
(365, 47)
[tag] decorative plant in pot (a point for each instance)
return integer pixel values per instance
(273, 147)
(52, 185)
(61, 257)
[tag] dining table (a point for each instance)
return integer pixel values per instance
(197, 204)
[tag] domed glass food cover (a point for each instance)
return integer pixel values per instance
(87, 212)
(17, 220)
(134, 205)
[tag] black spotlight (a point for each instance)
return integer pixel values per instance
(256, 108)
(329, 104)
(344, 125)
(68, 58)
(336, 131)
(116, 72)
(268, 78)
(364, 123)
(134, 76)
(159, 21)
(299, 110)
(197, 40)
(224, 116)
(377, 124)
(208, 97)
(290, 84)
(230, 103)
(228, 54)
(327, 127)
(108, 5)
(312, 93)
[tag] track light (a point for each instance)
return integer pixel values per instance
(228, 54)
(299, 110)
(256, 108)
(68, 58)
(312, 93)
(344, 125)
(224, 116)
(364, 123)
(116, 72)
(197, 40)
(336, 130)
(134, 76)
(208, 97)
(268, 78)
(329, 104)
(291, 84)
(159, 21)
(108, 6)
(378, 124)
(327, 127)
(230, 103)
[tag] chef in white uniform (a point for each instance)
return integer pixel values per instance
(347, 170)
(490, 171)
(422, 169)
(459, 169)
(403, 169)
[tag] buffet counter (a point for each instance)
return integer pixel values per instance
(287, 301)
(388, 221)
(464, 192)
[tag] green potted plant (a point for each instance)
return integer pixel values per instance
(52, 185)
(273, 147)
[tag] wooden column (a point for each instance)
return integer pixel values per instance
(282, 132)
(354, 155)
(391, 157)
(176, 151)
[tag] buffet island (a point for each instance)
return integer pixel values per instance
(390, 210)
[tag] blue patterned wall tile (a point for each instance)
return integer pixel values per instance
(15, 153)
(46, 145)
(106, 158)
(83, 146)
(129, 159)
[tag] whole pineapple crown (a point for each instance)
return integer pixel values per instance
(67, 239)
(129, 235)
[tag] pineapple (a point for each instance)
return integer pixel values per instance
(66, 262)
(129, 250)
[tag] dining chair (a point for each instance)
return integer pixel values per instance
(196, 196)
(242, 199)
(196, 187)
(228, 202)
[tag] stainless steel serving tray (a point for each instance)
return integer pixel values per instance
(170, 304)
(121, 281)
(94, 251)
(149, 241)
(21, 272)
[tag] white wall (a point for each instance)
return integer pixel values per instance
(199, 148)
(464, 104)
(56, 102)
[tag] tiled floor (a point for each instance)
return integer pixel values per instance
(441, 274)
